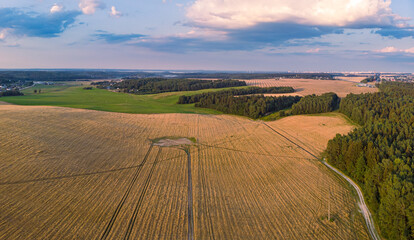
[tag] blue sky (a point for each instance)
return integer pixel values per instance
(260, 35)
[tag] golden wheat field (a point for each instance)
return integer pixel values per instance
(305, 87)
(80, 174)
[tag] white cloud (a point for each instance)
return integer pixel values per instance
(114, 12)
(314, 50)
(233, 14)
(389, 50)
(3, 34)
(89, 6)
(395, 50)
(56, 8)
(410, 50)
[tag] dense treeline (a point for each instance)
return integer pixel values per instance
(160, 85)
(250, 106)
(15, 76)
(9, 93)
(235, 92)
(379, 155)
(324, 76)
(327, 102)
(232, 102)
(5, 81)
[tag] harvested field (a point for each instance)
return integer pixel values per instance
(352, 79)
(305, 87)
(322, 128)
(81, 174)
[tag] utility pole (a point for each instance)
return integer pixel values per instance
(329, 205)
(329, 210)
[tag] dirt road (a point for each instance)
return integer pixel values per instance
(364, 209)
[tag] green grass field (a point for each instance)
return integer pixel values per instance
(73, 95)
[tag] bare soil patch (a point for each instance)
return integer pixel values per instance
(5, 103)
(172, 142)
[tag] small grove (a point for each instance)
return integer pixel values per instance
(256, 106)
(9, 93)
(250, 106)
(311, 104)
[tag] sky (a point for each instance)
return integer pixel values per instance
(233, 35)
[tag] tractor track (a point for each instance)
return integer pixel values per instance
(121, 203)
(203, 180)
(206, 207)
(141, 198)
(190, 198)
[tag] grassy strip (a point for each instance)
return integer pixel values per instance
(75, 96)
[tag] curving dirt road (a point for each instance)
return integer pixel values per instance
(364, 209)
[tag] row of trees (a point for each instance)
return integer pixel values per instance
(160, 85)
(310, 104)
(11, 93)
(235, 92)
(379, 155)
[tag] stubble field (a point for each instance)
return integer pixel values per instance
(81, 174)
(305, 87)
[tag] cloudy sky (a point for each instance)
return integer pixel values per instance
(260, 35)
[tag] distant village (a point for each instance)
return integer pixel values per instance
(399, 78)
(20, 85)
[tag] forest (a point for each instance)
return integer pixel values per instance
(160, 85)
(379, 154)
(63, 75)
(311, 104)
